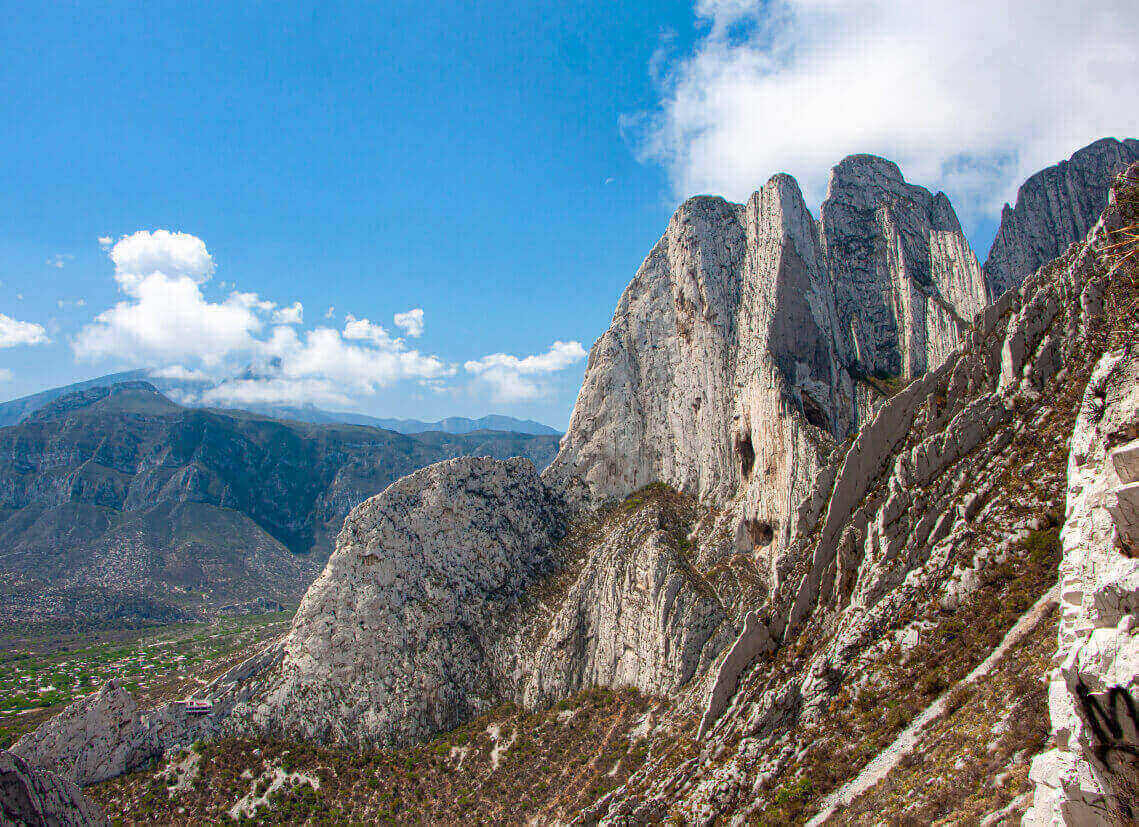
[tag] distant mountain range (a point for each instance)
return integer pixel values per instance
(118, 503)
(17, 410)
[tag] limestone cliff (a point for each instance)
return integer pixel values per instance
(1054, 208)
(1090, 776)
(754, 338)
(927, 539)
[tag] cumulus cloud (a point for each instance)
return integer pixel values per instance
(165, 318)
(174, 255)
(14, 332)
(410, 322)
(168, 318)
(968, 97)
(513, 380)
(293, 314)
(105, 241)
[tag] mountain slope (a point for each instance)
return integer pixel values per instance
(1054, 208)
(116, 501)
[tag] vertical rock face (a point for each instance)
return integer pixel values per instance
(35, 797)
(752, 338)
(1054, 208)
(1090, 777)
(637, 615)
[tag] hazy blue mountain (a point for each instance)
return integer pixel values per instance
(20, 409)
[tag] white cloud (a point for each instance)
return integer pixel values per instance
(58, 260)
(105, 241)
(293, 314)
(14, 332)
(167, 319)
(363, 329)
(5, 375)
(174, 255)
(330, 313)
(182, 373)
(410, 322)
(276, 391)
(327, 353)
(970, 97)
(65, 304)
(511, 378)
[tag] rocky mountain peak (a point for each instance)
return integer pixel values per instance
(754, 337)
(1054, 208)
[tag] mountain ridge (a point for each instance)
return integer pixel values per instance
(17, 410)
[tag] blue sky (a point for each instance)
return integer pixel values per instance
(502, 166)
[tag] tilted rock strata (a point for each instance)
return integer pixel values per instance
(637, 615)
(911, 515)
(1054, 208)
(37, 797)
(1090, 775)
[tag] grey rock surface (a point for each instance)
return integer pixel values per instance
(1054, 208)
(38, 798)
(93, 739)
(391, 642)
(754, 338)
(1087, 777)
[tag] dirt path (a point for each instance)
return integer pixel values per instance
(887, 759)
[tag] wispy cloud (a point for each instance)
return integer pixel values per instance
(59, 260)
(969, 97)
(512, 379)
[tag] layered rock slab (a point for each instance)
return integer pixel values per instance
(1090, 776)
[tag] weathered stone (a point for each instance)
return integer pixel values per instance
(92, 740)
(39, 798)
(1090, 776)
(391, 642)
(1056, 207)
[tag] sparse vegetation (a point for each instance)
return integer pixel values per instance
(556, 761)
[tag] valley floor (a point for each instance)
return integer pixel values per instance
(45, 667)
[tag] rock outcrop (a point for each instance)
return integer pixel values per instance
(1092, 774)
(752, 339)
(1054, 208)
(637, 613)
(96, 738)
(394, 641)
(42, 799)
